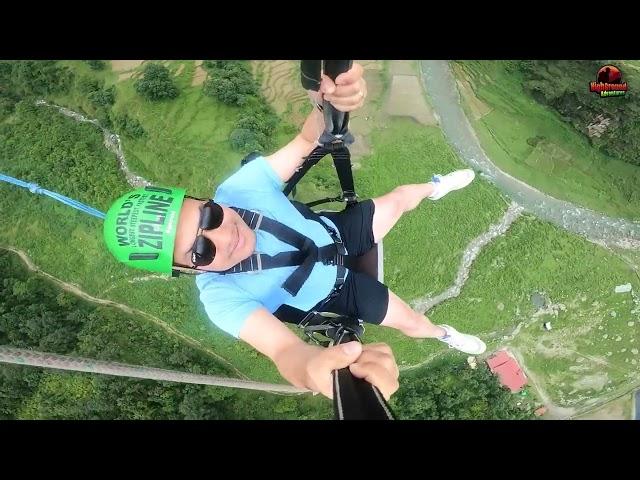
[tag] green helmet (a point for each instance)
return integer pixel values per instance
(140, 227)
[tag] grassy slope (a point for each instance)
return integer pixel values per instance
(564, 165)
(533, 257)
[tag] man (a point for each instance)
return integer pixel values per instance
(211, 236)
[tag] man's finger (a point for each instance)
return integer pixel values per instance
(326, 85)
(354, 73)
(352, 89)
(379, 347)
(346, 107)
(332, 358)
(376, 375)
(381, 358)
(339, 356)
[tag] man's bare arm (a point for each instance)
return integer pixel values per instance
(309, 366)
(289, 353)
(286, 160)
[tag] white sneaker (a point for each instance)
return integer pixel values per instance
(461, 341)
(444, 184)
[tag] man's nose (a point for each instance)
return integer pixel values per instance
(221, 236)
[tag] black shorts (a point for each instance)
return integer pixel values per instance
(361, 296)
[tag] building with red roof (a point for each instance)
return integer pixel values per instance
(506, 367)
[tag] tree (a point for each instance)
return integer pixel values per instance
(16, 384)
(230, 82)
(8, 102)
(214, 64)
(202, 403)
(87, 85)
(255, 126)
(129, 126)
(453, 391)
(245, 140)
(259, 121)
(8, 98)
(39, 77)
(103, 97)
(96, 64)
(5, 73)
(156, 83)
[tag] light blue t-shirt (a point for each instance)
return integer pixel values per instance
(230, 299)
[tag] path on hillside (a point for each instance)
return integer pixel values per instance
(74, 289)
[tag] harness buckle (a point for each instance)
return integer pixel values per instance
(258, 266)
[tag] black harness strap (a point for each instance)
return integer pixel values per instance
(305, 257)
(314, 157)
(342, 161)
(336, 136)
(327, 255)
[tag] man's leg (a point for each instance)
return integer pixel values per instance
(363, 296)
(366, 298)
(413, 324)
(390, 207)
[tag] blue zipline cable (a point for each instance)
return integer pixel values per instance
(35, 188)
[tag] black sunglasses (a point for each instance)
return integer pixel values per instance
(203, 250)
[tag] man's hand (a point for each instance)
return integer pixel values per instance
(374, 362)
(347, 93)
(310, 366)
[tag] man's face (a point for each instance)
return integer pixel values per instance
(234, 240)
